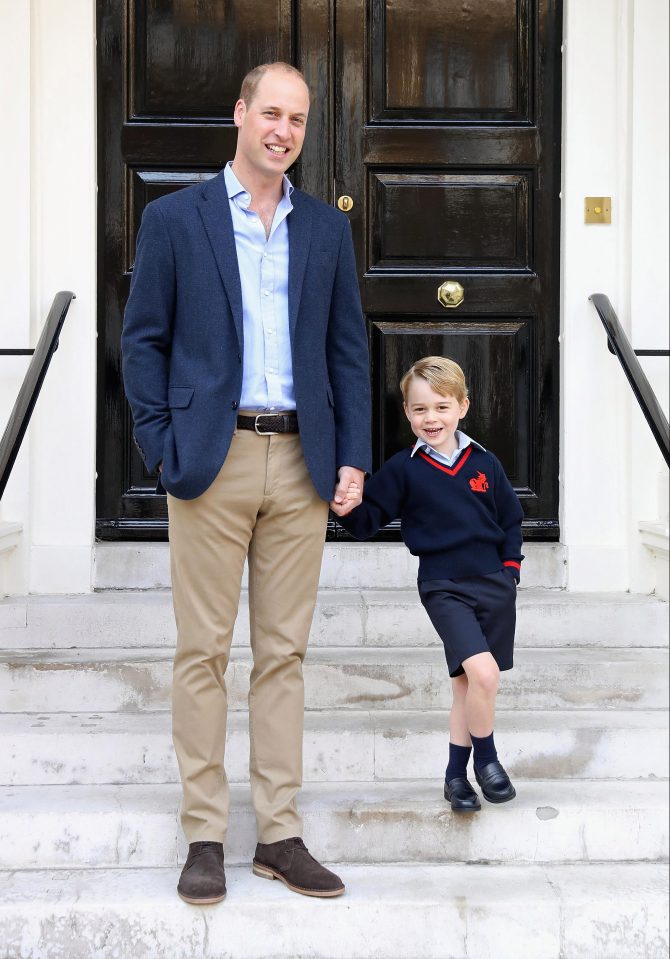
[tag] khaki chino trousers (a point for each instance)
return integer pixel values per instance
(263, 505)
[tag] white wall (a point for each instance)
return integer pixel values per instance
(48, 67)
(650, 254)
(607, 72)
(15, 256)
(615, 142)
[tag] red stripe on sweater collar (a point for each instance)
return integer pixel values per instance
(447, 469)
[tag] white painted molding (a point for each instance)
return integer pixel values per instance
(9, 536)
(656, 538)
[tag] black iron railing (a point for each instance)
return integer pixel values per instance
(618, 343)
(32, 383)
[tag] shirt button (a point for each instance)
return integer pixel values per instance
(266, 292)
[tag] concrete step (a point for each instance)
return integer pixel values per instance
(345, 566)
(339, 746)
(338, 678)
(344, 617)
(387, 912)
(109, 826)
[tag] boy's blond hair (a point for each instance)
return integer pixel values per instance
(442, 375)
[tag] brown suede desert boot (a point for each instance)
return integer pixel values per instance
(289, 861)
(203, 879)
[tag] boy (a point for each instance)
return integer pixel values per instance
(461, 517)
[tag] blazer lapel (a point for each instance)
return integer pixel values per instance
(215, 212)
(299, 238)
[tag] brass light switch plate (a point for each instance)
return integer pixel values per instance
(597, 209)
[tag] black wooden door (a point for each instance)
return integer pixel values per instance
(440, 119)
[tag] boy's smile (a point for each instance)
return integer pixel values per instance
(434, 418)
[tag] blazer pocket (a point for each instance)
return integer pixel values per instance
(179, 397)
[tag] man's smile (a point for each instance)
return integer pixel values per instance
(276, 149)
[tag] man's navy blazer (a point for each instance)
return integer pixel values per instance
(183, 343)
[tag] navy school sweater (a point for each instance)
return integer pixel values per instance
(463, 520)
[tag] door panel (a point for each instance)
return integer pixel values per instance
(445, 60)
(188, 57)
(429, 222)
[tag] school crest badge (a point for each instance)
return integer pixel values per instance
(479, 483)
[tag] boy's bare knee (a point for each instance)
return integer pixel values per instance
(483, 673)
(490, 680)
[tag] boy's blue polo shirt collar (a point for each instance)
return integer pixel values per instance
(463, 441)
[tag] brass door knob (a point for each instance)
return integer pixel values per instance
(450, 294)
(345, 203)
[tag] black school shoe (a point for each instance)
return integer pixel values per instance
(459, 792)
(495, 783)
(203, 879)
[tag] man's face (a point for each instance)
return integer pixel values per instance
(272, 126)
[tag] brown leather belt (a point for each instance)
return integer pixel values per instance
(267, 424)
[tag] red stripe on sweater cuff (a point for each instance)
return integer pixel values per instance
(511, 562)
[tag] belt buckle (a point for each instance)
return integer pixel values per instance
(265, 432)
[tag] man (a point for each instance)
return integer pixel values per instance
(245, 365)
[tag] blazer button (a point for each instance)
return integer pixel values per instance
(234, 404)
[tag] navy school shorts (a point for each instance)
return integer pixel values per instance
(476, 614)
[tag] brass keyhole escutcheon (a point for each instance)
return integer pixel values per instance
(450, 294)
(345, 203)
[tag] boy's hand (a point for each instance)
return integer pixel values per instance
(349, 490)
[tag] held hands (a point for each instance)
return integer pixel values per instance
(349, 490)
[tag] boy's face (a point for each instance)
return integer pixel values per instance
(433, 417)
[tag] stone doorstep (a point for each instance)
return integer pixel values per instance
(365, 746)
(109, 826)
(345, 566)
(344, 617)
(418, 911)
(338, 678)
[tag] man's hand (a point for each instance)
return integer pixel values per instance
(349, 490)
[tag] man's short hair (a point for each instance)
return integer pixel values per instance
(253, 78)
(442, 375)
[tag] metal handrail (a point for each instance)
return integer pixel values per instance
(32, 384)
(619, 344)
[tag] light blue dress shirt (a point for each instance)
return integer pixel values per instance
(267, 370)
(461, 438)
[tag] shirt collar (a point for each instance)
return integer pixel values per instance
(462, 439)
(235, 188)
